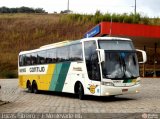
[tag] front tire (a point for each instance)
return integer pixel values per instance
(80, 92)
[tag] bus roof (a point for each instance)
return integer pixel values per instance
(105, 38)
(65, 43)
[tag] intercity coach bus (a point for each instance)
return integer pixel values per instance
(99, 66)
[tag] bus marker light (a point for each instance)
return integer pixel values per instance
(107, 83)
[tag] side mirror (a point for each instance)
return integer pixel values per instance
(144, 56)
(102, 55)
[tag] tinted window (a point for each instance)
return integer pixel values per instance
(24, 59)
(33, 58)
(21, 60)
(51, 56)
(75, 52)
(89, 48)
(115, 45)
(28, 60)
(62, 54)
(41, 57)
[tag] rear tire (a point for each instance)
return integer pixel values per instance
(80, 92)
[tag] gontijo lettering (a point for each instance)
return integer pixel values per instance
(22, 70)
(37, 69)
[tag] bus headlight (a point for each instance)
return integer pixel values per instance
(107, 83)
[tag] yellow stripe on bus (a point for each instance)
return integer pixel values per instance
(43, 80)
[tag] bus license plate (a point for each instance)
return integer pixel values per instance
(124, 90)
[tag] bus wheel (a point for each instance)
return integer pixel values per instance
(35, 88)
(80, 92)
(29, 87)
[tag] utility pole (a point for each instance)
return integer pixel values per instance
(110, 32)
(135, 7)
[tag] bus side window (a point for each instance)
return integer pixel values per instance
(41, 58)
(24, 60)
(75, 52)
(21, 60)
(58, 55)
(53, 56)
(62, 54)
(38, 58)
(28, 61)
(34, 58)
(48, 57)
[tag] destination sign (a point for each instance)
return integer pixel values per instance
(93, 32)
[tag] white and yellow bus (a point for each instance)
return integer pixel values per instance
(100, 66)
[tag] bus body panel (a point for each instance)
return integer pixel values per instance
(42, 79)
(61, 77)
(75, 74)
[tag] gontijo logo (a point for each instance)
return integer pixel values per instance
(92, 88)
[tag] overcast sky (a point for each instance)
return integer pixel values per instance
(149, 8)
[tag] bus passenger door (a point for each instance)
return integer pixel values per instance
(92, 66)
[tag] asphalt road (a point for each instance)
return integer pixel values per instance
(147, 101)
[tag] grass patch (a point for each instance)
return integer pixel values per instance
(8, 74)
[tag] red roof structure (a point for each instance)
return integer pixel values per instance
(140, 34)
(125, 29)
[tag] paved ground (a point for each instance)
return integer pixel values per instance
(148, 100)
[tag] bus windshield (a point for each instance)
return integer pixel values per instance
(120, 65)
(120, 59)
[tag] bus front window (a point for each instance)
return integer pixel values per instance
(120, 64)
(121, 59)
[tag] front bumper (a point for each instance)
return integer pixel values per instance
(114, 90)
